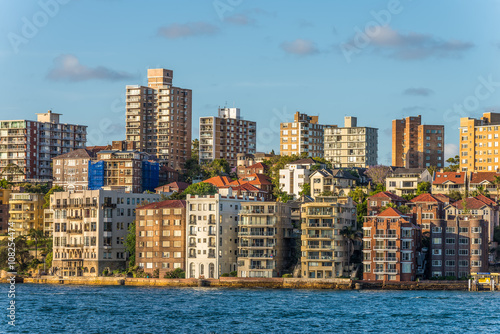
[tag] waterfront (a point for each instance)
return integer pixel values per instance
(122, 309)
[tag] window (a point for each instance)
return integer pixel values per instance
(436, 229)
(450, 263)
(436, 241)
(177, 233)
(436, 252)
(450, 252)
(463, 263)
(436, 263)
(463, 241)
(450, 241)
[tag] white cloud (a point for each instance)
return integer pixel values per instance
(301, 47)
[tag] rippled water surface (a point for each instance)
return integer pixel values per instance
(121, 309)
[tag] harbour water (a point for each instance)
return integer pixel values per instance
(123, 309)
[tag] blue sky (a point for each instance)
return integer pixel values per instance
(377, 60)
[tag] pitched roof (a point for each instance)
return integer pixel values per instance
(258, 165)
(260, 179)
(390, 212)
(427, 198)
(179, 185)
(472, 203)
(244, 187)
(218, 181)
(453, 177)
(387, 194)
(479, 177)
(80, 153)
(444, 198)
(167, 169)
(96, 149)
(485, 199)
(175, 203)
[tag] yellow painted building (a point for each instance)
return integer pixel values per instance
(479, 143)
(4, 210)
(26, 212)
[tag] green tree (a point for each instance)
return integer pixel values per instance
(52, 190)
(454, 164)
(378, 188)
(216, 168)
(39, 188)
(177, 273)
(358, 195)
(496, 182)
(350, 235)
(409, 197)
(192, 170)
(306, 190)
(455, 195)
(423, 188)
(201, 188)
(130, 244)
(195, 149)
(322, 161)
(361, 212)
(22, 257)
(432, 169)
(35, 235)
(5, 184)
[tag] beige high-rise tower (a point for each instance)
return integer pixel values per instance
(415, 145)
(158, 118)
(303, 135)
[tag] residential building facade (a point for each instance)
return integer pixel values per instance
(351, 146)
(376, 202)
(303, 135)
(325, 251)
(332, 182)
(226, 136)
(479, 143)
(160, 230)
(158, 118)
(416, 145)
(26, 212)
(90, 228)
(459, 246)
(487, 181)
(27, 147)
(4, 210)
(390, 247)
(404, 181)
(446, 182)
(265, 239)
(425, 208)
(212, 235)
(295, 175)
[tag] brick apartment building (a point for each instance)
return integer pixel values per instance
(381, 199)
(390, 247)
(161, 236)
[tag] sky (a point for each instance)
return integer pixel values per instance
(376, 60)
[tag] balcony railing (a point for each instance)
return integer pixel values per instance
(385, 236)
(385, 259)
(386, 271)
(383, 247)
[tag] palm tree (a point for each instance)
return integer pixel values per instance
(36, 235)
(350, 235)
(496, 182)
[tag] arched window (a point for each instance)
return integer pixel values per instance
(211, 270)
(92, 270)
(191, 270)
(202, 269)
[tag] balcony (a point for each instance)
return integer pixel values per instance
(74, 231)
(73, 245)
(267, 267)
(384, 247)
(385, 236)
(386, 271)
(385, 259)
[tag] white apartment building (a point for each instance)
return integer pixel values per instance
(295, 175)
(212, 234)
(351, 146)
(90, 228)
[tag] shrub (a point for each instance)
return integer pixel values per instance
(224, 275)
(177, 273)
(287, 276)
(156, 273)
(105, 272)
(233, 273)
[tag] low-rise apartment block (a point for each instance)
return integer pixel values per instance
(226, 136)
(265, 239)
(486, 181)
(160, 230)
(26, 212)
(212, 235)
(390, 247)
(325, 251)
(459, 246)
(351, 146)
(445, 182)
(295, 175)
(327, 182)
(90, 228)
(303, 135)
(376, 202)
(404, 181)
(425, 208)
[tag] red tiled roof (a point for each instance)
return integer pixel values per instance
(444, 198)
(257, 165)
(485, 199)
(167, 169)
(175, 203)
(179, 185)
(426, 198)
(244, 187)
(454, 177)
(472, 204)
(260, 179)
(387, 194)
(478, 177)
(218, 181)
(390, 212)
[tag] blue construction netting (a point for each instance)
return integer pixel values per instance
(96, 175)
(150, 175)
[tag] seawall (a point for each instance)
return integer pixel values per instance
(266, 283)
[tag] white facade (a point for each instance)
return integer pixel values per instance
(90, 228)
(212, 235)
(294, 176)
